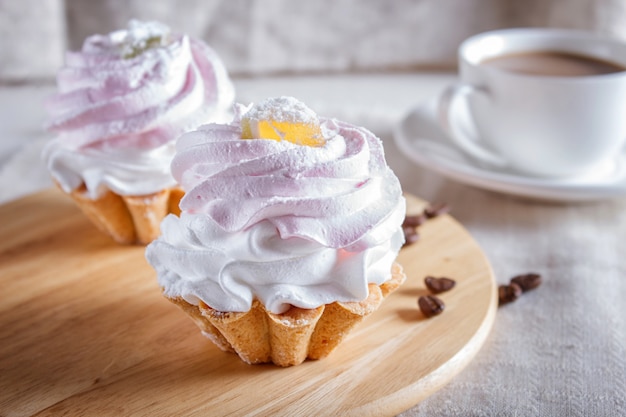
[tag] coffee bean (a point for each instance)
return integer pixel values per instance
(508, 293)
(439, 285)
(410, 235)
(430, 305)
(435, 210)
(527, 281)
(414, 221)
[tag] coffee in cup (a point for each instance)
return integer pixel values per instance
(544, 102)
(553, 63)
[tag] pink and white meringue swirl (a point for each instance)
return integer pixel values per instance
(124, 99)
(279, 222)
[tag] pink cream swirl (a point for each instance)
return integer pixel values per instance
(118, 113)
(342, 195)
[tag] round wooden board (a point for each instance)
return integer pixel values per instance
(85, 331)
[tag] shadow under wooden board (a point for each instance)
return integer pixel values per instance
(84, 330)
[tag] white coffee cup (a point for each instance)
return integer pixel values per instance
(542, 125)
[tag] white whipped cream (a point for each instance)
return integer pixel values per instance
(279, 222)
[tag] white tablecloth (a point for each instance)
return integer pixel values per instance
(559, 350)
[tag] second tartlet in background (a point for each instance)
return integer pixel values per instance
(123, 100)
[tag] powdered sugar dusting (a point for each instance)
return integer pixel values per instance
(140, 36)
(282, 109)
(295, 323)
(216, 340)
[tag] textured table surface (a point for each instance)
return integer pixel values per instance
(558, 350)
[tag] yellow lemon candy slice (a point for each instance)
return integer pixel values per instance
(282, 118)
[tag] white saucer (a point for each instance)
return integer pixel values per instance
(422, 140)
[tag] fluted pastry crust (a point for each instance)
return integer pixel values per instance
(259, 336)
(129, 219)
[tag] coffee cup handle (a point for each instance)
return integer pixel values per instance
(455, 132)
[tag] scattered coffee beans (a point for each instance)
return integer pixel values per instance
(430, 305)
(519, 284)
(414, 221)
(508, 293)
(528, 281)
(436, 210)
(439, 285)
(410, 235)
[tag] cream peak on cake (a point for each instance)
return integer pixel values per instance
(282, 118)
(140, 36)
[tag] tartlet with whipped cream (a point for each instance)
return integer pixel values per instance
(122, 101)
(288, 235)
